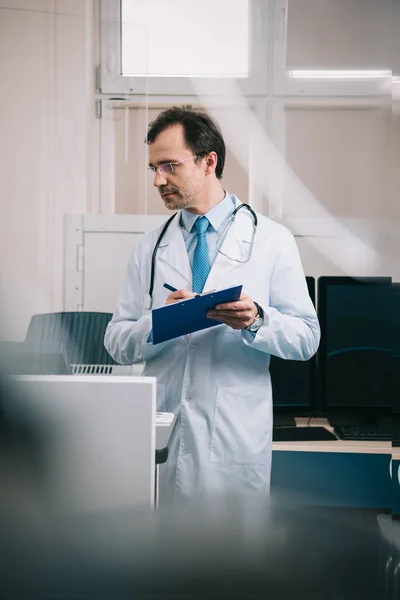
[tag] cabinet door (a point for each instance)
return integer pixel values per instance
(395, 474)
(332, 479)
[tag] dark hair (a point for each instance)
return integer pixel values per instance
(202, 134)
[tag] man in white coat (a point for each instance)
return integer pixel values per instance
(217, 380)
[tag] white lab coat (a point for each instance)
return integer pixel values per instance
(218, 379)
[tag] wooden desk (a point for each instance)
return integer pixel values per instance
(356, 446)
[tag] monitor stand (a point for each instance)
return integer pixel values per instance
(284, 420)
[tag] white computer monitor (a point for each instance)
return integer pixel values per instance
(98, 438)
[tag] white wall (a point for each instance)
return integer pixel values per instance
(320, 156)
(48, 149)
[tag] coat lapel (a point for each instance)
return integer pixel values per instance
(222, 266)
(226, 268)
(173, 253)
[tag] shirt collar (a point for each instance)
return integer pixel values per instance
(216, 215)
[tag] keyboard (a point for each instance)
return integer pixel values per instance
(302, 434)
(364, 433)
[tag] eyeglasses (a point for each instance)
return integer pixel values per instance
(167, 168)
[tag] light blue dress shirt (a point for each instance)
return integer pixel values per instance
(218, 217)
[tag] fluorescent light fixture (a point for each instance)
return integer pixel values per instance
(336, 74)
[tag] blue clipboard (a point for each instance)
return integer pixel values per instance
(173, 320)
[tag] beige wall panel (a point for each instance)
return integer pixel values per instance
(28, 5)
(134, 190)
(338, 34)
(47, 154)
(345, 157)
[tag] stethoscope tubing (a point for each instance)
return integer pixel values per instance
(163, 232)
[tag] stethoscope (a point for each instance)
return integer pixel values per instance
(149, 295)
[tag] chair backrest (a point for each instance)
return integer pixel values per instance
(82, 333)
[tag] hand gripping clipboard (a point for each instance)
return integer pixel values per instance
(187, 316)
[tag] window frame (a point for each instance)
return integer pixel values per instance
(285, 85)
(111, 81)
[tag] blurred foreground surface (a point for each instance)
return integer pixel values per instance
(199, 549)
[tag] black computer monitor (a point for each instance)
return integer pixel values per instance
(395, 370)
(294, 381)
(355, 351)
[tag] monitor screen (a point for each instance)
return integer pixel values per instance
(395, 369)
(293, 381)
(355, 350)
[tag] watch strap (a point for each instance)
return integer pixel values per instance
(258, 321)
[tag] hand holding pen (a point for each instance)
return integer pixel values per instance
(181, 294)
(177, 295)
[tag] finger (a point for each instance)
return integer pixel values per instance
(228, 317)
(229, 314)
(233, 323)
(238, 305)
(185, 294)
(179, 295)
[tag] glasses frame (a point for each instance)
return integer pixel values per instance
(170, 166)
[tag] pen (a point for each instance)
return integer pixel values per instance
(170, 288)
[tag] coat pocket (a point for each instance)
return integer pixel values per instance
(242, 427)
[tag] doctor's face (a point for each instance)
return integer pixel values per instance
(183, 185)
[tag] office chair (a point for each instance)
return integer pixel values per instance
(83, 336)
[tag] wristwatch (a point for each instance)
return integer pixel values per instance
(258, 321)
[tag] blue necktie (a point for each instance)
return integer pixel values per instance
(201, 261)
